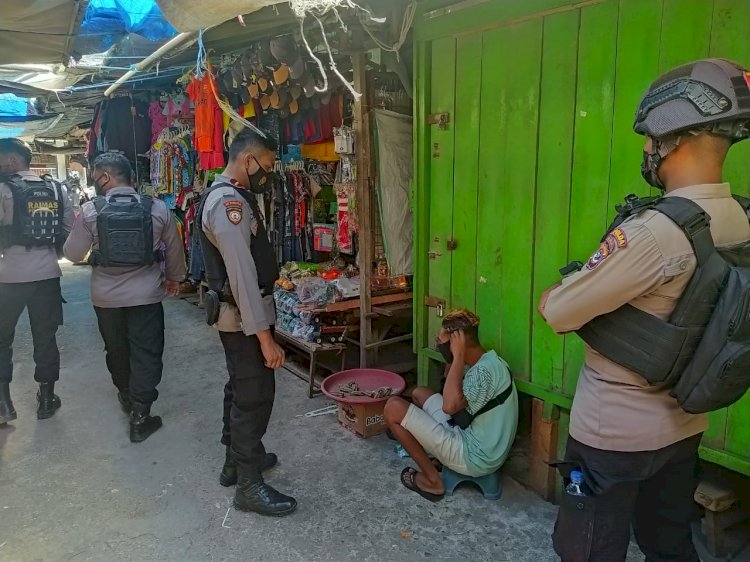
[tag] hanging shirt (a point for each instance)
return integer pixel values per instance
(201, 92)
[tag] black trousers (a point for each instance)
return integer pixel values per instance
(134, 342)
(650, 490)
(248, 401)
(44, 303)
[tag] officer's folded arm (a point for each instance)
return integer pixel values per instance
(605, 284)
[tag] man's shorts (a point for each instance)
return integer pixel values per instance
(429, 426)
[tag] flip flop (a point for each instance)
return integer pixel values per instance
(408, 479)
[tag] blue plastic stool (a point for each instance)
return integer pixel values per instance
(490, 485)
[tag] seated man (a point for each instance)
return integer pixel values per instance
(471, 426)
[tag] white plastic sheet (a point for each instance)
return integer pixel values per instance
(393, 133)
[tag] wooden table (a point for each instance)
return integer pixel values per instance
(311, 350)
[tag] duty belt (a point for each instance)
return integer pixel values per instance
(213, 300)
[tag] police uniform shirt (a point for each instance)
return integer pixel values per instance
(646, 262)
(229, 223)
(119, 287)
(19, 264)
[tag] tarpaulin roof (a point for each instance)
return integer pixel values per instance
(106, 22)
(38, 31)
(188, 15)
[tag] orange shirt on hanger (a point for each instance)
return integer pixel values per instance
(202, 95)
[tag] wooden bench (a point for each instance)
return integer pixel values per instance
(311, 350)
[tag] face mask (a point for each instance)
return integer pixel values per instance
(445, 350)
(260, 181)
(650, 169)
(99, 189)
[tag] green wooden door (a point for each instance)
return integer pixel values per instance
(537, 149)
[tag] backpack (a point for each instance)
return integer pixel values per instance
(126, 232)
(719, 373)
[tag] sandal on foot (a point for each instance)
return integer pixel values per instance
(409, 480)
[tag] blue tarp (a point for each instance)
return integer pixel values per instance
(108, 21)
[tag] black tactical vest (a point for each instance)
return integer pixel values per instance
(126, 231)
(260, 248)
(38, 209)
(656, 349)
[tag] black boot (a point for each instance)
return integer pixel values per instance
(49, 402)
(7, 411)
(142, 425)
(123, 397)
(259, 497)
(228, 476)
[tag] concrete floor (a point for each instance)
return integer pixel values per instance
(75, 488)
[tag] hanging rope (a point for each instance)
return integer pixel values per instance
(318, 8)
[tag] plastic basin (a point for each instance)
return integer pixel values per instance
(366, 379)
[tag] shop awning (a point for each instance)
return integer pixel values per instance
(38, 31)
(188, 15)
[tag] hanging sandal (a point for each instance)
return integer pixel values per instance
(409, 480)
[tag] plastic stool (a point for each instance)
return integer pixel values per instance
(490, 485)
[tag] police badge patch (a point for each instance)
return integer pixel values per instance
(614, 240)
(234, 211)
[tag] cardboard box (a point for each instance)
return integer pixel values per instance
(364, 420)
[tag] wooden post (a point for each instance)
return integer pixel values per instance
(543, 448)
(364, 202)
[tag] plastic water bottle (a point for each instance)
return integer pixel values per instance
(575, 488)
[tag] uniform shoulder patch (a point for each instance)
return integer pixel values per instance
(615, 240)
(234, 211)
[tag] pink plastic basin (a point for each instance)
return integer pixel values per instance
(366, 379)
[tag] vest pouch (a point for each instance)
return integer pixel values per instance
(723, 382)
(719, 373)
(638, 341)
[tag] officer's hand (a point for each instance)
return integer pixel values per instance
(272, 353)
(458, 345)
(545, 296)
(172, 288)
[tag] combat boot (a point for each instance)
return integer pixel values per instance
(228, 476)
(7, 411)
(255, 495)
(142, 425)
(49, 402)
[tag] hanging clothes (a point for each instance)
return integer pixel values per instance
(209, 128)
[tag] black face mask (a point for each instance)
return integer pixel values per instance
(445, 350)
(650, 169)
(259, 182)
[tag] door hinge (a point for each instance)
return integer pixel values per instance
(435, 302)
(439, 119)
(451, 243)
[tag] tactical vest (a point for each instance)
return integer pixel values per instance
(659, 350)
(38, 208)
(125, 232)
(260, 248)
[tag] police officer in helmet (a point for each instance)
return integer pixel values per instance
(129, 238)
(35, 218)
(241, 270)
(637, 449)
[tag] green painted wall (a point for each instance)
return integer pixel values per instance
(539, 147)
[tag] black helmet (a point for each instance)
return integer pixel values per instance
(708, 94)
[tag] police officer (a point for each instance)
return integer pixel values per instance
(129, 238)
(241, 270)
(637, 449)
(35, 218)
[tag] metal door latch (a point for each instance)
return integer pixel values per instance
(436, 303)
(439, 119)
